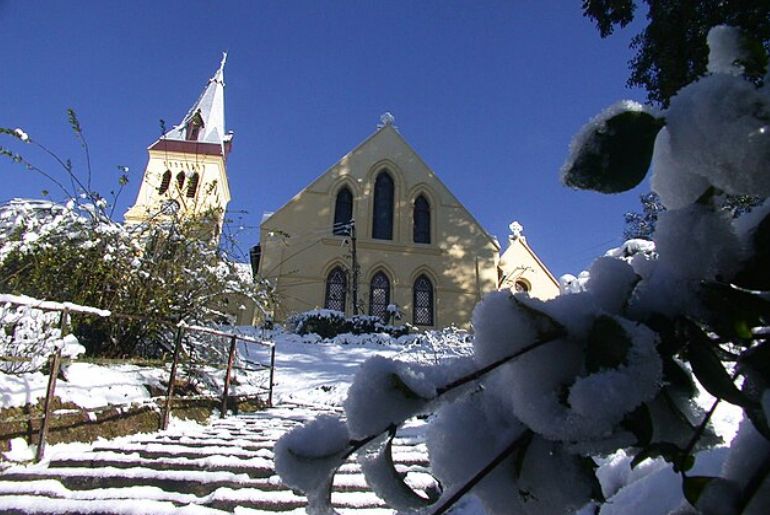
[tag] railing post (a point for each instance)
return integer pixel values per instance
(50, 392)
(230, 363)
(172, 376)
(272, 372)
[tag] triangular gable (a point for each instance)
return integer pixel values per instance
(381, 133)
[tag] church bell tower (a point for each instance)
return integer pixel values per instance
(186, 174)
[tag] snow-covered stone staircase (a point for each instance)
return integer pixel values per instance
(221, 468)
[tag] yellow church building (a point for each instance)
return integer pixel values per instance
(377, 233)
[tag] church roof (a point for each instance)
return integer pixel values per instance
(208, 112)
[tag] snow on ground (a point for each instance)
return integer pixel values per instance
(310, 372)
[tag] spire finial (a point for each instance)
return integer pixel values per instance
(386, 119)
(219, 75)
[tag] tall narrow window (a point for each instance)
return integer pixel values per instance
(165, 182)
(343, 211)
(336, 290)
(423, 301)
(180, 180)
(379, 296)
(193, 127)
(192, 186)
(382, 223)
(421, 220)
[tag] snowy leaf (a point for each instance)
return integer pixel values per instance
(307, 457)
(675, 376)
(545, 325)
(399, 384)
(613, 152)
(669, 452)
(708, 368)
(639, 423)
(382, 476)
(693, 486)
(608, 345)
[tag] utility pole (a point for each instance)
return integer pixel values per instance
(354, 274)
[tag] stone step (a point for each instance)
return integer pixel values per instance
(214, 470)
(263, 469)
(188, 482)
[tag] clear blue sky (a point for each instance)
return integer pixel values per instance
(488, 93)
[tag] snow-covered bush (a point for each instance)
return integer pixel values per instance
(328, 323)
(165, 270)
(554, 387)
(157, 272)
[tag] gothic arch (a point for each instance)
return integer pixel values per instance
(338, 209)
(336, 282)
(380, 294)
(423, 301)
(383, 206)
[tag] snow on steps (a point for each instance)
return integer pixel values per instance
(224, 466)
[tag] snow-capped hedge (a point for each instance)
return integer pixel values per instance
(328, 323)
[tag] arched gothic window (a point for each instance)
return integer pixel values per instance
(192, 186)
(423, 301)
(421, 233)
(343, 211)
(379, 296)
(336, 289)
(180, 180)
(382, 221)
(165, 182)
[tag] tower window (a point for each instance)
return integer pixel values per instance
(192, 186)
(423, 301)
(421, 233)
(193, 127)
(180, 180)
(379, 296)
(343, 211)
(165, 182)
(336, 290)
(382, 222)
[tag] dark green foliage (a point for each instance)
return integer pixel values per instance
(616, 156)
(671, 51)
(608, 13)
(670, 452)
(326, 324)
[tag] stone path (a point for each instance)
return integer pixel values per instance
(226, 467)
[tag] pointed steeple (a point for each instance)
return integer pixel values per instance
(205, 121)
(187, 167)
